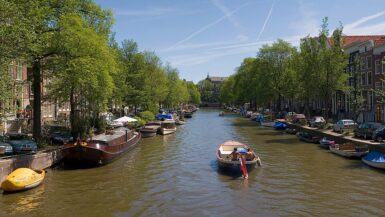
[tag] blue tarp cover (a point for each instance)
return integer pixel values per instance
(164, 116)
(242, 150)
(375, 156)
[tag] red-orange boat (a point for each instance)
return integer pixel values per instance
(102, 149)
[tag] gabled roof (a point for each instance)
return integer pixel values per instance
(353, 39)
(217, 79)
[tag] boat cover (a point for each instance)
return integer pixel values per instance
(242, 150)
(164, 116)
(375, 156)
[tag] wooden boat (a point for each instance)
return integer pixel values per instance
(307, 137)
(101, 149)
(223, 156)
(148, 132)
(23, 179)
(375, 159)
(325, 143)
(349, 150)
(167, 127)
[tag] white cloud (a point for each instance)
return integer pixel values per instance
(308, 24)
(266, 21)
(356, 28)
(206, 27)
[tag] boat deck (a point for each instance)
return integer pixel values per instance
(110, 137)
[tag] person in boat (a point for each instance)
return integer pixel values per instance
(250, 155)
(234, 155)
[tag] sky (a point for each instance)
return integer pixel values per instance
(201, 37)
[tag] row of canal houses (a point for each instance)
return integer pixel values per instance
(370, 50)
(19, 107)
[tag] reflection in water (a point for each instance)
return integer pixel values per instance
(178, 175)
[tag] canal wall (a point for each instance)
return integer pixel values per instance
(38, 161)
(339, 138)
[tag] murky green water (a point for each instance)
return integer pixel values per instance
(177, 175)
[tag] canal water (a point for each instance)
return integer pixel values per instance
(177, 175)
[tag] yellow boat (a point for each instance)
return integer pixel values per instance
(23, 179)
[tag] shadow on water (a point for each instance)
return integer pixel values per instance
(270, 133)
(283, 141)
(234, 173)
(244, 124)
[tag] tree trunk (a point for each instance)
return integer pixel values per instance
(36, 74)
(72, 114)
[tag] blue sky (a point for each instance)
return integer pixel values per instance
(214, 36)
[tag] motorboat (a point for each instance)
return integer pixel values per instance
(23, 179)
(228, 162)
(167, 127)
(325, 143)
(375, 159)
(349, 150)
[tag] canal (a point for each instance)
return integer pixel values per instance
(177, 175)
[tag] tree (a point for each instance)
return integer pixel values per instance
(356, 100)
(194, 95)
(279, 75)
(82, 74)
(206, 89)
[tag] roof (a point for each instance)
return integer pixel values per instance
(217, 79)
(352, 39)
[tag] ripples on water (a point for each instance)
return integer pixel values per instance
(177, 175)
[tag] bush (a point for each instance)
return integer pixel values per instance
(147, 116)
(140, 122)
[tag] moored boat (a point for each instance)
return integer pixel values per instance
(325, 143)
(179, 122)
(279, 126)
(349, 150)
(167, 127)
(102, 149)
(291, 130)
(188, 114)
(375, 159)
(148, 132)
(307, 137)
(221, 114)
(225, 160)
(23, 179)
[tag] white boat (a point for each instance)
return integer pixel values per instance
(349, 150)
(375, 159)
(225, 149)
(167, 127)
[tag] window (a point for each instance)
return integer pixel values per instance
(383, 65)
(19, 71)
(369, 62)
(377, 85)
(378, 67)
(363, 63)
(363, 78)
(369, 78)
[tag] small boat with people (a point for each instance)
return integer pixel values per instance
(167, 127)
(102, 148)
(375, 159)
(325, 143)
(236, 156)
(23, 179)
(349, 150)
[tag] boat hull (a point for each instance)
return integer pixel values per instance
(23, 179)
(347, 154)
(188, 114)
(378, 165)
(165, 131)
(94, 156)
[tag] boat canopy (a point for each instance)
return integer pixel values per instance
(125, 119)
(375, 156)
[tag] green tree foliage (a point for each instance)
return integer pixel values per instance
(206, 89)
(194, 95)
